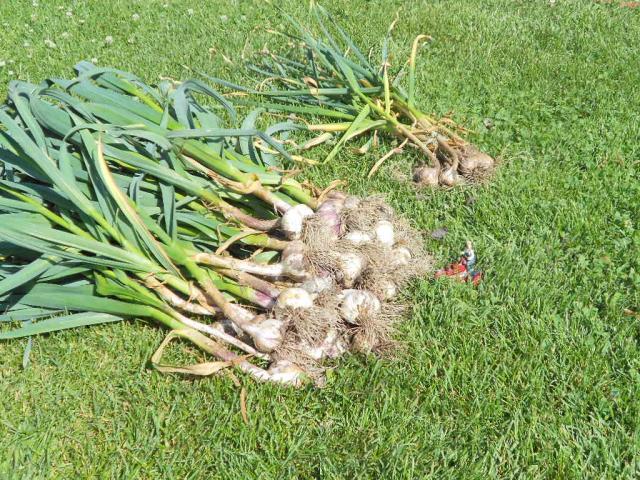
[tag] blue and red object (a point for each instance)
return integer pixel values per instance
(464, 270)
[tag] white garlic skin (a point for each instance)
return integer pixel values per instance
(241, 315)
(389, 290)
(283, 371)
(351, 202)
(476, 160)
(485, 162)
(468, 165)
(358, 237)
(449, 177)
(317, 353)
(351, 267)
(295, 298)
(293, 261)
(293, 219)
(332, 346)
(426, 176)
(401, 257)
(356, 302)
(266, 334)
(384, 233)
(317, 284)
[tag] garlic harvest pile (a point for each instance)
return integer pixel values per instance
(353, 257)
(122, 200)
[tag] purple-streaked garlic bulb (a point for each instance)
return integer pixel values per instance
(329, 214)
(293, 261)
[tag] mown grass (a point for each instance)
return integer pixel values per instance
(535, 374)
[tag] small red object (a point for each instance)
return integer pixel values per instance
(464, 269)
(452, 270)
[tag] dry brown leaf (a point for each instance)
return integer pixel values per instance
(203, 369)
(315, 141)
(310, 82)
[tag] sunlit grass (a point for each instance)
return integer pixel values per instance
(536, 373)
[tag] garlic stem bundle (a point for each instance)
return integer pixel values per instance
(122, 200)
(326, 76)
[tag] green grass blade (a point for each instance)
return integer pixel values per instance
(20, 313)
(199, 87)
(46, 164)
(62, 322)
(18, 94)
(26, 274)
(346, 38)
(126, 205)
(362, 116)
(39, 237)
(168, 194)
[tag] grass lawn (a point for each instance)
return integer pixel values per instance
(535, 374)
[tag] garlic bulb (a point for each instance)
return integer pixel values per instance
(317, 353)
(476, 164)
(351, 267)
(384, 233)
(265, 333)
(426, 176)
(484, 161)
(362, 344)
(294, 298)
(329, 213)
(292, 221)
(334, 344)
(294, 262)
(357, 302)
(358, 237)
(284, 371)
(468, 165)
(449, 177)
(351, 202)
(317, 284)
(389, 290)
(401, 257)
